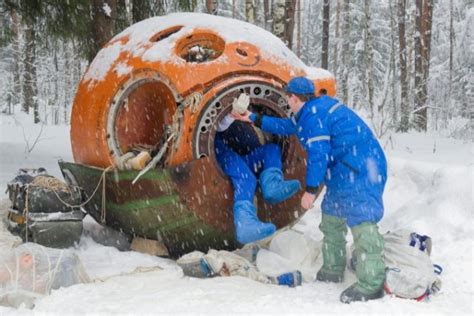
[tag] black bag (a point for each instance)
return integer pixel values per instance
(45, 194)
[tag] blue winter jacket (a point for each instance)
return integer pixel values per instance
(342, 153)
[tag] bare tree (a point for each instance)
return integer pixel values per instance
(336, 37)
(211, 6)
(278, 19)
(141, 10)
(30, 146)
(290, 10)
(104, 14)
(284, 20)
(30, 89)
(369, 58)
(298, 20)
(405, 111)
(325, 47)
(345, 52)
(393, 34)
(250, 11)
(451, 46)
(424, 9)
(267, 13)
(68, 80)
(16, 54)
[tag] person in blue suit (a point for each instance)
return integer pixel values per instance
(343, 154)
(243, 157)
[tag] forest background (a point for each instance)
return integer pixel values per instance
(403, 64)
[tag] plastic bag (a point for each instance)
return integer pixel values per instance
(30, 271)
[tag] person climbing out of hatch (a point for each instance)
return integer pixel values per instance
(343, 154)
(243, 156)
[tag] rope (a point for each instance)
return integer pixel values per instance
(55, 184)
(25, 212)
(155, 160)
(55, 271)
(135, 271)
(103, 210)
(50, 183)
(193, 101)
(102, 177)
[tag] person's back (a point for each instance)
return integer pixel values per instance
(356, 161)
(346, 128)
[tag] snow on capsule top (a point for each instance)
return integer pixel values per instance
(231, 30)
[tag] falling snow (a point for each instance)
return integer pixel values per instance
(427, 191)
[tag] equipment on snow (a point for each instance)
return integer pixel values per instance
(237, 263)
(44, 209)
(410, 271)
(30, 271)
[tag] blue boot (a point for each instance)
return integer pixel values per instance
(274, 188)
(290, 279)
(248, 228)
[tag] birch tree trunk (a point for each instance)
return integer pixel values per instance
(325, 46)
(284, 20)
(250, 11)
(278, 19)
(128, 5)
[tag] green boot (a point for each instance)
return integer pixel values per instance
(334, 249)
(370, 268)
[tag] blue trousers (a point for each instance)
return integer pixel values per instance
(243, 170)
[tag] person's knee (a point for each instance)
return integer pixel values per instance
(251, 181)
(367, 238)
(333, 226)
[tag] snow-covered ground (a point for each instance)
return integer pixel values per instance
(430, 190)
